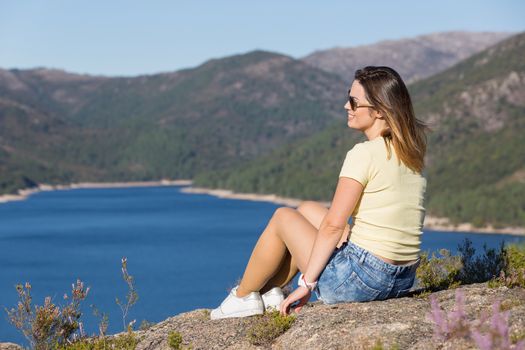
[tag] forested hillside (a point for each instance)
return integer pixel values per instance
(60, 127)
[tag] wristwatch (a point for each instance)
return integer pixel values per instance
(303, 283)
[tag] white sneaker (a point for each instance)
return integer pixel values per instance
(234, 306)
(273, 298)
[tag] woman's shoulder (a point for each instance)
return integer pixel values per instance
(372, 146)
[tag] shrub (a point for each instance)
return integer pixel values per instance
(268, 327)
(488, 332)
(126, 341)
(49, 326)
(59, 327)
(104, 320)
(450, 271)
(439, 273)
(513, 272)
(145, 324)
(483, 267)
(452, 324)
(175, 341)
(131, 297)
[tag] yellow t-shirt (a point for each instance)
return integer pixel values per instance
(388, 218)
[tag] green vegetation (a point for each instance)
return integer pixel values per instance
(126, 341)
(52, 327)
(175, 340)
(439, 273)
(513, 272)
(145, 325)
(268, 326)
(214, 116)
(49, 325)
(379, 346)
(504, 266)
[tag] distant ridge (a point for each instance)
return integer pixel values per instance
(414, 58)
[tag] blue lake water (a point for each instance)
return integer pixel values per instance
(184, 250)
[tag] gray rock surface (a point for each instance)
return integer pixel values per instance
(401, 323)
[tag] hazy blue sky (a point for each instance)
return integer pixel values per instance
(138, 37)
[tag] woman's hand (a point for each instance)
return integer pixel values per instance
(301, 294)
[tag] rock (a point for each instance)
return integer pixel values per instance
(401, 323)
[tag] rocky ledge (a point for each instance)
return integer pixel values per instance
(402, 323)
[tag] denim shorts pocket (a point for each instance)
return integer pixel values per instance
(337, 258)
(355, 289)
(404, 288)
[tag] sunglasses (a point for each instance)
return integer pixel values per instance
(353, 104)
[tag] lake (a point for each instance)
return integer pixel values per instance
(184, 250)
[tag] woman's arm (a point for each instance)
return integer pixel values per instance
(346, 196)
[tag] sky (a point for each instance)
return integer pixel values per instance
(130, 38)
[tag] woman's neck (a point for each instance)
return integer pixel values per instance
(376, 129)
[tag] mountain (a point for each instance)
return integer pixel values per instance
(62, 127)
(476, 159)
(414, 58)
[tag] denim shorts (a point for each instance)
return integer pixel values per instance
(354, 274)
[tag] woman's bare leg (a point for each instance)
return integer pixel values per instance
(285, 274)
(271, 259)
(287, 233)
(314, 212)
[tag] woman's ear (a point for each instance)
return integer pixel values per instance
(377, 114)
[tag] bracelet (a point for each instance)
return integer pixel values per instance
(303, 283)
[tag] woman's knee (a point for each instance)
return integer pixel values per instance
(308, 206)
(284, 213)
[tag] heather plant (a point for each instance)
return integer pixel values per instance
(53, 326)
(449, 271)
(437, 273)
(454, 323)
(50, 325)
(103, 320)
(131, 297)
(488, 332)
(513, 271)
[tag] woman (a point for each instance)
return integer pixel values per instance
(380, 185)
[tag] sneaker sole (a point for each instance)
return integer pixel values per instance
(240, 314)
(272, 306)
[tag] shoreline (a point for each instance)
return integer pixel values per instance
(25, 193)
(431, 223)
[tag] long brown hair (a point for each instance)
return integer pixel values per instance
(387, 92)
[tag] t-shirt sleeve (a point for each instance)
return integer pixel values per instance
(357, 164)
